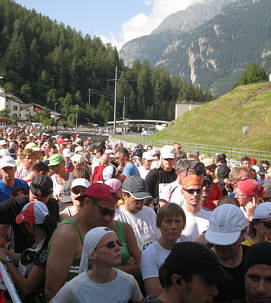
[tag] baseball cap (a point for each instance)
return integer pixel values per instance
(197, 258)
(263, 211)
(136, 187)
(147, 156)
(99, 191)
(66, 153)
(168, 152)
(154, 151)
(191, 180)
(91, 240)
(80, 182)
(78, 149)
(33, 212)
(32, 146)
(225, 225)
(3, 142)
(41, 186)
(209, 163)
(55, 159)
(251, 188)
(7, 161)
(109, 172)
(4, 152)
(78, 159)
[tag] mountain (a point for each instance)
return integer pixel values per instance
(151, 47)
(215, 54)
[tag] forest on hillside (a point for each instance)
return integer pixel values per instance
(48, 63)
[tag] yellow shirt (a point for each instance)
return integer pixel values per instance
(248, 242)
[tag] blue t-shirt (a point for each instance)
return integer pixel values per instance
(131, 170)
(5, 190)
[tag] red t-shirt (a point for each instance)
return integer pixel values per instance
(216, 194)
(98, 173)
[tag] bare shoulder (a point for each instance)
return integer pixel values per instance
(65, 233)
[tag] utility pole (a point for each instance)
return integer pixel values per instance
(115, 99)
(76, 115)
(123, 114)
(89, 91)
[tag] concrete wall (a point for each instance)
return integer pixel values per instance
(182, 108)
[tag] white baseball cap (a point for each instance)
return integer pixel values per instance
(168, 152)
(7, 161)
(225, 225)
(78, 149)
(3, 142)
(147, 156)
(66, 153)
(80, 182)
(263, 211)
(4, 153)
(78, 159)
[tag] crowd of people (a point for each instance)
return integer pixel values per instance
(99, 222)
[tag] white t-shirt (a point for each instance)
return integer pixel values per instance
(143, 224)
(58, 188)
(83, 290)
(22, 172)
(172, 193)
(151, 260)
(143, 172)
(196, 224)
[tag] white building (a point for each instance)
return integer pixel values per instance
(8, 101)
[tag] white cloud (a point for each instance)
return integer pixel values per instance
(143, 24)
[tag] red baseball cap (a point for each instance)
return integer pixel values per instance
(33, 212)
(99, 191)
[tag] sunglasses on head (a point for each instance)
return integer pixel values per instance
(192, 191)
(78, 190)
(111, 244)
(105, 211)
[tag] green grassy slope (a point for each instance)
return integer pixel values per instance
(220, 122)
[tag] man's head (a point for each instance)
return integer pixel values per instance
(192, 192)
(206, 188)
(97, 204)
(210, 166)
(257, 271)
(246, 162)
(167, 158)
(105, 159)
(185, 168)
(147, 160)
(134, 193)
(3, 144)
(191, 272)
(56, 163)
(227, 228)
(28, 157)
(122, 156)
(7, 170)
(177, 148)
(41, 188)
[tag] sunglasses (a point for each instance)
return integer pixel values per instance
(105, 211)
(192, 191)
(111, 244)
(267, 224)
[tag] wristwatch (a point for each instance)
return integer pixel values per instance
(8, 259)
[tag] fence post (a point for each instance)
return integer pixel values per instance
(231, 153)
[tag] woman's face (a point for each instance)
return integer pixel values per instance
(242, 199)
(172, 227)
(264, 228)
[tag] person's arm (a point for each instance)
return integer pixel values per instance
(62, 252)
(153, 287)
(25, 285)
(134, 252)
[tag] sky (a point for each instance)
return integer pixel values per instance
(115, 21)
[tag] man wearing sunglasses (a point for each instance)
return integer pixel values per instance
(97, 206)
(197, 217)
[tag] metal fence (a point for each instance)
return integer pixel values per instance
(211, 150)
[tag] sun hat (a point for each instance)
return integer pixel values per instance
(115, 184)
(251, 188)
(99, 191)
(168, 152)
(263, 211)
(33, 212)
(7, 161)
(91, 240)
(55, 159)
(196, 258)
(80, 182)
(136, 187)
(225, 225)
(209, 163)
(41, 186)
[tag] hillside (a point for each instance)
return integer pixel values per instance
(220, 122)
(151, 47)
